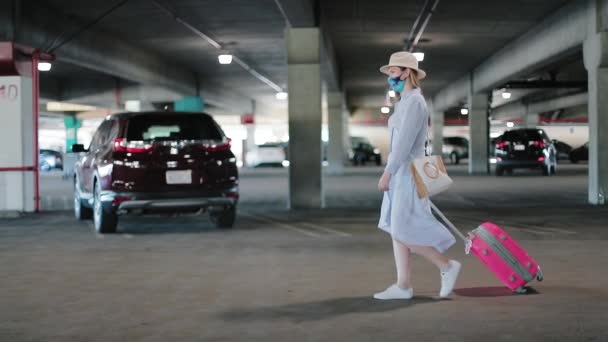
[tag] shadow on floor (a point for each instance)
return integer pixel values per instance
(497, 291)
(320, 310)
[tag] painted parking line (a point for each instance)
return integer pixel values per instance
(281, 224)
(325, 229)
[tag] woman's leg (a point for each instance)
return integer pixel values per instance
(402, 264)
(432, 255)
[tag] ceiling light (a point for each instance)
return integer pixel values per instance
(44, 66)
(506, 95)
(225, 59)
(385, 110)
(464, 111)
(392, 93)
(282, 95)
(419, 56)
(510, 124)
(68, 107)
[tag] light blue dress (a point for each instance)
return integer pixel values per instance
(404, 215)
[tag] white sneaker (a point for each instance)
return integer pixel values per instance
(448, 278)
(395, 292)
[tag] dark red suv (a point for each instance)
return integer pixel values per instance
(156, 162)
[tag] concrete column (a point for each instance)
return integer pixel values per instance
(531, 120)
(72, 124)
(437, 120)
(305, 118)
(595, 51)
(336, 152)
(479, 130)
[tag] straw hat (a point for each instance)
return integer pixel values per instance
(406, 60)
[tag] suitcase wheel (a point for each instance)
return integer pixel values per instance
(539, 275)
(520, 290)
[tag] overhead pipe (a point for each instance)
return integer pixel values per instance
(217, 45)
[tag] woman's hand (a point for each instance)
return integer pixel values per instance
(384, 182)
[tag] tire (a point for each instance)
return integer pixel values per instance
(104, 222)
(81, 212)
(510, 171)
(500, 171)
(378, 161)
(224, 219)
(454, 158)
(573, 160)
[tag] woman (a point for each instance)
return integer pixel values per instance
(404, 215)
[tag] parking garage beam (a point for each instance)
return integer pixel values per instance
(595, 52)
(336, 152)
(305, 118)
(479, 130)
(437, 124)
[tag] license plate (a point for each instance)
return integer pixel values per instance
(179, 177)
(520, 147)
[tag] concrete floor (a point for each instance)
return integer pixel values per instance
(304, 276)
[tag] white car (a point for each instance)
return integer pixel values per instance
(267, 155)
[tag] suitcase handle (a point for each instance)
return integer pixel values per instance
(450, 225)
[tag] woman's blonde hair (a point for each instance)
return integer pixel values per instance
(414, 80)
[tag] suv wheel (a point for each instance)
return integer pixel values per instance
(81, 212)
(105, 222)
(500, 171)
(225, 218)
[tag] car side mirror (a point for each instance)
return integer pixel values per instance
(77, 148)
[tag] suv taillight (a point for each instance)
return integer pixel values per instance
(225, 146)
(540, 143)
(502, 144)
(121, 145)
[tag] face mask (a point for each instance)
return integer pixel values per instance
(396, 83)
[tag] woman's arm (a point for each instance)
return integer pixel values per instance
(411, 125)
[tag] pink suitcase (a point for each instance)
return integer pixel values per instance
(500, 253)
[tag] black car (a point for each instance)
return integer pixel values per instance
(580, 153)
(525, 149)
(563, 150)
(363, 152)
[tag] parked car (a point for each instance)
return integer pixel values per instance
(563, 150)
(455, 149)
(362, 151)
(580, 153)
(156, 162)
(49, 160)
(267, 155)
(525, 148)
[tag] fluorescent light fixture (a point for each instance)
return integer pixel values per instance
(464, 111)
(225, 59)
(282, 95)
(385, 110)
(392, 93)
(285, 163)
(419, 56)
(44, 66)
(68, 107)
(506, 95)
(510, 124)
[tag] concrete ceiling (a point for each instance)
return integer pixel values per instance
(459, 36)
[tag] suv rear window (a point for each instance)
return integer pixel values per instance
(173, 127)
(523, 135)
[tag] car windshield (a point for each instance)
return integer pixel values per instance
(173, 127)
